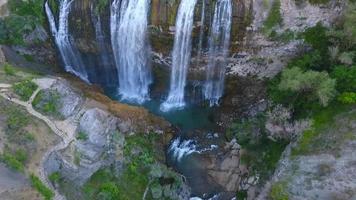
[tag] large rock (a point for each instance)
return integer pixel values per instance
(224, 169)
(102, 147)
(70, 100)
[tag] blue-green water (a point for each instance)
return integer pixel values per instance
(193, 122)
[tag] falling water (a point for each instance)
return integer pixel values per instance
(105, 56)
(130, 46)
(219, 42)
(201, 34)
(70, 55)
(181, 55)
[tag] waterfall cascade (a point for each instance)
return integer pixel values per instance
(128, 25)
(219, 43)
(104, 57)
(70, 55)
(181, 55)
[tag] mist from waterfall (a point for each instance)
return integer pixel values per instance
(219, 43)
(70, 55)
(181, 55)
(128, 24)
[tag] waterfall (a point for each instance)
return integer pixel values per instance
(201, 34)
(181, 55)
(70, 55)
(105, 56)
(128, 25)
(219, 43)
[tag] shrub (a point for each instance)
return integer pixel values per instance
(25, 89)
(9, 70)
(347, 98)
(12, 162)
(16, 119)
(278, 191)
(47, 102)
(346, 78)
(274, 17)
(41, 188)
(317, 37)
(54, 177)
(311, 83)
(82, 136)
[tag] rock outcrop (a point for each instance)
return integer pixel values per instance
(224, 168)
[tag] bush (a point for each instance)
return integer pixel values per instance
(82, 136)
(317, 37)
(9, 70)
(346, 78)
(350, 22)
(348, 98)
(47, 102)
(41, 188)
(278, 191)
(54, 177)
(25, 89)
(274, 17)
(12, 162)
(28, 8)
(310, 83)
(16, 120)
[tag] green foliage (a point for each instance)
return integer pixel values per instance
(284, 37)
(9, 69)
(12, 162)
(346, 78)
(317, 37)
(274, 17)
(348, 98)
(47, 102)
(41, 188)
(315, 84)
(82, 136)
(25, 89)
(278, 191)
(32, 8)
(54, 177)
(108, 191)
(132, 182)
(261, 154)
(317, 139)
(25, 16)
(102, 4)
(16, 120)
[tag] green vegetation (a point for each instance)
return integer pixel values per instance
(82, 136)
(322, 138)
(9, 69)
(41, 188)
(261, 154)
(348, 98)
(311, 84)
(25, 89)
(54, 177)
(24, 17)
(47, 102)
(278, 191)
(274, 18)
(12, 162)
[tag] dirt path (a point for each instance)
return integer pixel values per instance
(64, 129)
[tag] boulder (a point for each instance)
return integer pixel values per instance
(224, 168)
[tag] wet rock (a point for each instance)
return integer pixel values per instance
(224, 168)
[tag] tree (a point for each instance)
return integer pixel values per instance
(316, 85)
